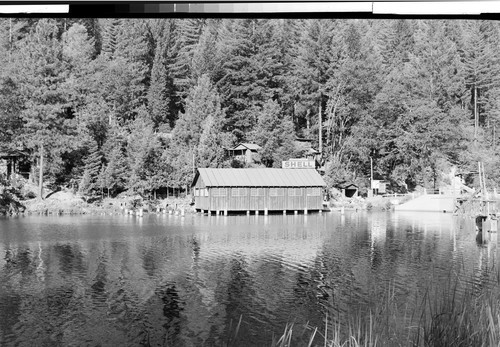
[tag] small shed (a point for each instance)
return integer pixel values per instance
(11, 163)
(349, 190)
(257, 189)
(245, 152)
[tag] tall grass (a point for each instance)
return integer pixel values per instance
(456, 313)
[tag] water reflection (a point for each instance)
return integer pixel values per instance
(173, 280)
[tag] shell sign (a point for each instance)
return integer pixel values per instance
(298, 164)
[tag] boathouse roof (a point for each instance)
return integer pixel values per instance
(259, 177)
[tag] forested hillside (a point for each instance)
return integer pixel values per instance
(135, 104)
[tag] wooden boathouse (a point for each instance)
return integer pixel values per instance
(257, 190)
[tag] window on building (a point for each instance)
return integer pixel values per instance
(243, 192)
(277, 192)
(313, 192)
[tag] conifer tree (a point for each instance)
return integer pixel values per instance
(481, 61)
(41, 76)
(115, 173)
(274, 133)
(109, 36)
(160, 90)
(237, 51)
(89, 184)
(188, 34)
(206, 57)
(201, 102)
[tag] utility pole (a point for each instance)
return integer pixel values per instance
(193, 165)
(41, 172)
(371, 174)
(371, 170)
(320, 133)
(476, 118)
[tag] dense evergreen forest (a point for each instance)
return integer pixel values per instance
(135, 104)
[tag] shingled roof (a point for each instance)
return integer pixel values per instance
(259, 177)
(250, 146)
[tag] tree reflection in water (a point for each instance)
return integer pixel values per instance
(168, 283)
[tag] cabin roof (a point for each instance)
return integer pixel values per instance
(251, 146)
(259, 177)
(347, 185)
(11, 153)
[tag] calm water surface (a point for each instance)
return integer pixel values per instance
(187, 281)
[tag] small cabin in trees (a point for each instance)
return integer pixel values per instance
(257, 189)
(13, 163)
(348, 189)
(245, 152)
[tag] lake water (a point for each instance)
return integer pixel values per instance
(187, 281)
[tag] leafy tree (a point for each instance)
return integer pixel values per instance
(140, 143)
(78, 48)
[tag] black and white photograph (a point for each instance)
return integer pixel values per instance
(249, 179)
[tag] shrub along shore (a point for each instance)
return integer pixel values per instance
(12, 202)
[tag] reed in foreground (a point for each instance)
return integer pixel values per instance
(461, 313)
